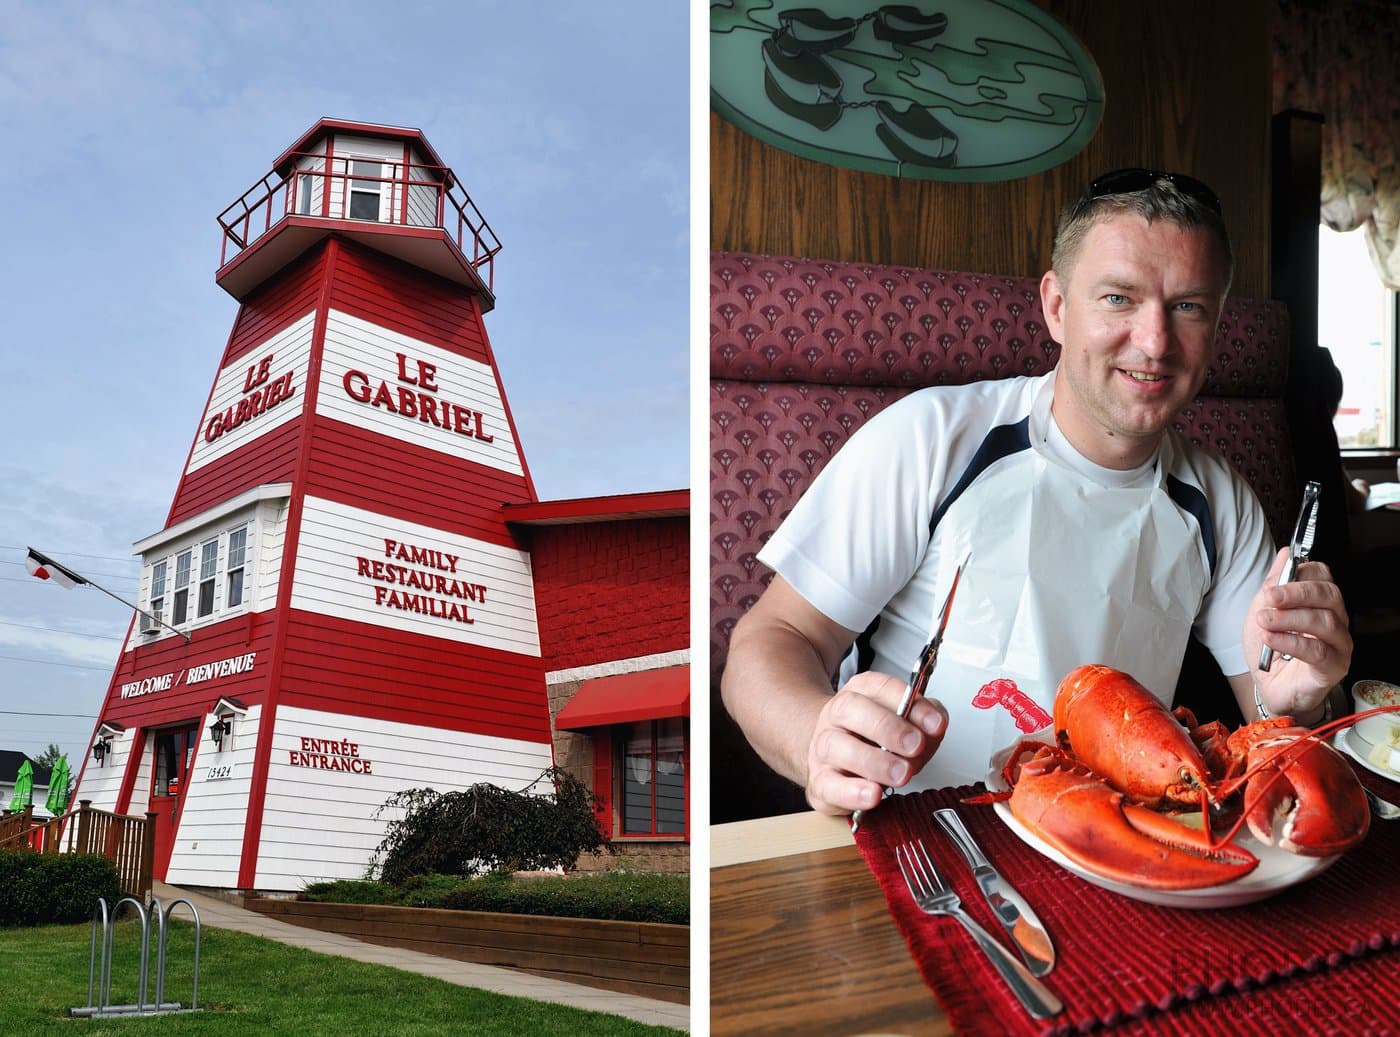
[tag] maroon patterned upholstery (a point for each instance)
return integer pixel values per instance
(803, 352)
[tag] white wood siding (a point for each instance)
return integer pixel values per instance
(101, 784)
(272, 538)
(291, 351)
(353, 344)
(319, 824)
(213, 815)
(314, 164)
(335, 536)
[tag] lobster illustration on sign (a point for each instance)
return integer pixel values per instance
(1024, 710)
(1103, 794)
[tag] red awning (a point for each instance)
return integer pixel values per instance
(624, 697)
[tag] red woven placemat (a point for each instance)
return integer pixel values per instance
(1324, 951)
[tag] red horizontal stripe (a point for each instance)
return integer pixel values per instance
(339, 666)
(269, 458)
(405, 481)
(277, 305)
(393, 294)
(347, 667)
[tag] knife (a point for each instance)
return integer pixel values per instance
(1011, 909)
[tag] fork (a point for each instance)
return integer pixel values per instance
(933, 896)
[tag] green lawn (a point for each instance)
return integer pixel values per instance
(248, 985)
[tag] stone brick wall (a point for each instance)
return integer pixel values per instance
(611, 590)
(668, 857)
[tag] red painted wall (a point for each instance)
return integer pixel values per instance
(236, 636)
(342, 667)
(611, 590)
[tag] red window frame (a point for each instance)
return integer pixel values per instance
(624, 762)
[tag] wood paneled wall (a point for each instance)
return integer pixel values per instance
(1187, 88)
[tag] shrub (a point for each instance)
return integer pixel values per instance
(624, 897)
(39, 889)
(486, 828)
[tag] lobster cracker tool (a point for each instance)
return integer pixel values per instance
(923, 669)
(1299, 548)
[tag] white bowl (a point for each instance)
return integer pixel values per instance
(1369, 695)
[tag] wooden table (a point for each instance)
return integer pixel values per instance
(800, 939)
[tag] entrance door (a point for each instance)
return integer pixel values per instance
(174, 757)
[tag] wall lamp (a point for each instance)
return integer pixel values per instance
(219, 730)
(101, 749)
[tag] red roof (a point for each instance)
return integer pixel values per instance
(657, 504)
(625, 697)
(359, 129)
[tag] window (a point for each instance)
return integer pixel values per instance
(174, 752)
(182, 588)
(364, 194)
(208, 566)
(653, 777)
(233, 582)
(1356, 322)
(218, 587)
(158, 590)
(304, 182)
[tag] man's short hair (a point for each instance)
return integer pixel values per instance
(1160, 199)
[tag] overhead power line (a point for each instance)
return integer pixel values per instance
(114, 576)
(75, 554)
(26, 713)
(58, 630)
(49, 662)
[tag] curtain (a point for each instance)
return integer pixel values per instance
(1339, 59)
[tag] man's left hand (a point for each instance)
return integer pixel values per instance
(1305, 621)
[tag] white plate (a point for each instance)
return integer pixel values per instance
(1351, 743)
(1277, 870)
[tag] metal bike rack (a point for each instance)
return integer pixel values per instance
(100, 972)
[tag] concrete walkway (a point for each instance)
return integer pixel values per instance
(221, 914)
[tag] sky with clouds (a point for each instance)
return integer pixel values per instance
(130, 126)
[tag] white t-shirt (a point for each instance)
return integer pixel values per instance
(878, 532)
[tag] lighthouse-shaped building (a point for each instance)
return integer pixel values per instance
(352, 615)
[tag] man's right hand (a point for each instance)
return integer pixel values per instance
(860, 745)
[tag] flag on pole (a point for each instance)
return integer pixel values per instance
(45, 568)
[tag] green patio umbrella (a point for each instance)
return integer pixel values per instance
(24, 787)
(58, 788)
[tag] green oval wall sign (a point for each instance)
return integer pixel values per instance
(958, 90)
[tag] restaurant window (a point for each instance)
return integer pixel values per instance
(364, 194)
(237, 546)
(208, 567)
(220, 584)
(653, 777)
(1356, 322)
(182, 588)
(158, 590)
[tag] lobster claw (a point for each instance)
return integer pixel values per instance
(1065, 804)
(1304, 795)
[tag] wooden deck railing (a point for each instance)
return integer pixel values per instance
(126, 840)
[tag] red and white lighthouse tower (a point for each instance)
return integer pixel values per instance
(355, 616)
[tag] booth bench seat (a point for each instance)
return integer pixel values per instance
(803, 352)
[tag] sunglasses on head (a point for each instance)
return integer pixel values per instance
(1126, 181)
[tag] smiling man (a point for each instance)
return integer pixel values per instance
(1096, 534)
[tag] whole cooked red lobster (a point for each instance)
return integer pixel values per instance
(1121, 762)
